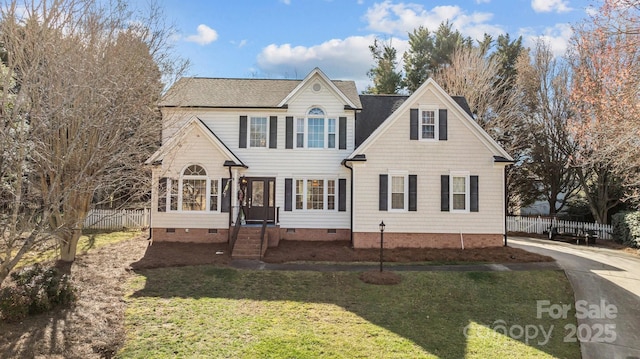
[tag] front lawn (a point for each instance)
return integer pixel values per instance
(205, 311)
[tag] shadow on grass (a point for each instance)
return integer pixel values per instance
(429, 309)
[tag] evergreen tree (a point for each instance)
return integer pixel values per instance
(386, 79)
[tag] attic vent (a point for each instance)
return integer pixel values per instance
(317, 87)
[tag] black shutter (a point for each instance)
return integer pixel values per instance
(473, 182)
(342, 195)
(242, 143)
(225, 202)
(288, 195)
(289, 132)
(442, 123)
(342, 135)
(444, 193)
(383, 193)
(413, 192)
(413, 113)
(273, 132)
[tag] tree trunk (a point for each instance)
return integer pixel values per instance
(69, 244)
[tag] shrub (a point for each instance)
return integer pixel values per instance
(13, 305)
(37, 290)
(626, 228)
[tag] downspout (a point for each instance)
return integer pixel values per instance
(230, 201)
(506, 204)
(344, 163)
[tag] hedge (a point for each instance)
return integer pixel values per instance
(626, 228)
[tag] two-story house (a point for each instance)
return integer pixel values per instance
(319, 162)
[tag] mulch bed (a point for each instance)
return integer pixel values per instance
(340, 251)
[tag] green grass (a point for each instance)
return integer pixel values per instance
(226, 313)
(89, 240)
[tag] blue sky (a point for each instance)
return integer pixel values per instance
(288, 38)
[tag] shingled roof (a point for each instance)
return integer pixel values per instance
(239, 93)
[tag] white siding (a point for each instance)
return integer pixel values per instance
(197, 149)
(280, 162)
(463, 151)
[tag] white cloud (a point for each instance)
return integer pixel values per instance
(240, 44)
(401, 18)
(348, 58)
(483, 1)
(205, 36)
(550, 6)
(557, 37)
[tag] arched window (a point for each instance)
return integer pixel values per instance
(194, 188)
(319, 131)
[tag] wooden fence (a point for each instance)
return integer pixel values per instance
(117, 219)
(541, 225)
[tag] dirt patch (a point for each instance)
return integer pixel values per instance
(171, 254)
(340, 251)
(380, 278)
(94, 327)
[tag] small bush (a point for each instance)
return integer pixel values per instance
(13, 305)
(36, 290)
(626, 228)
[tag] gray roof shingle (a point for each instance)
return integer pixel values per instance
(239, 93)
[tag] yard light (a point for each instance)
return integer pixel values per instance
(381, 226)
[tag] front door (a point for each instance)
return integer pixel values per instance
(261, 194)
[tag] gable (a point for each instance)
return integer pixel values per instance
(317, 85)
(195, 134)
(399, 126)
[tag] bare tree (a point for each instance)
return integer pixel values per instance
(605, 59)
(494, 104)
(87, 79)
(547, 172)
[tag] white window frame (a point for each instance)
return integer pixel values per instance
(405, 176)
(325, 193)
(467, 200)
(266, 142)
(179, 195)
(436, 122)
(305, 134)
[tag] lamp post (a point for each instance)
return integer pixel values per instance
(381, 226)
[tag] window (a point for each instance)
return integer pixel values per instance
(300, 133)
(194, 191)
(460, 192)
(331, 194)
(331, 133)
(316, 130)
(299, 194)
(162, 194)
(173, 201)
(258, 132)
(428, 124)
(397, 192)
(315, 194)
(316, 133)
(213, 197)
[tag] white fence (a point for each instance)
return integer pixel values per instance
(117, 219)
(541, 225)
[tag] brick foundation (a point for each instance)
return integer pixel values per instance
(314, 234)
(194, 235)
(426, 240)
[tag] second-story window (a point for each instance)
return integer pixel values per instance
(316, 130)
(258, 129)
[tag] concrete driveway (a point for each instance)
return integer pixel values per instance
(607, 292)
